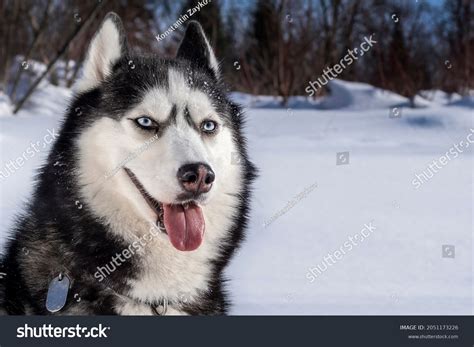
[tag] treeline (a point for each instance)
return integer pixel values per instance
(282, 45)
(273, 47)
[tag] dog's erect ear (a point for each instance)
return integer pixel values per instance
(107, 46)
(196, 48)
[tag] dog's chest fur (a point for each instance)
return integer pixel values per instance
(165, 273)
(182, 278)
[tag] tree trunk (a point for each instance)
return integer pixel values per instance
(76, 32)
(38, 32)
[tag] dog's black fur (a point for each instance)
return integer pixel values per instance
(53, 236)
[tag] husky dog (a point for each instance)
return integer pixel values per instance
(144, 196)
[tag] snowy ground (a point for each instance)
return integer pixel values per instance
(306, 206)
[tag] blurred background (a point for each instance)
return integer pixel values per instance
(266, 47)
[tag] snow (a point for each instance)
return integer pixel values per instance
(5, 105)
(306, 206)
(354, 96)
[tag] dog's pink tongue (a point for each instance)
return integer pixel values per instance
(184, 225)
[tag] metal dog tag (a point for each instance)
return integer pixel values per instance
(57, 293)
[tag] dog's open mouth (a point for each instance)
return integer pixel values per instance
(184, 223)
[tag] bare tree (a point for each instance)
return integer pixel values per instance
(59, 53)
(38, 31)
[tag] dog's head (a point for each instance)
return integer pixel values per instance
(160, 140)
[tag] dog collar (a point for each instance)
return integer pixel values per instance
(158, 309)
(59, 288)
(161, 308)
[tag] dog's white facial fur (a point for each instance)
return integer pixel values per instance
(107, 146)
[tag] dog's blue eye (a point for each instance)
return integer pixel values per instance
(145, 122)
(209, 126)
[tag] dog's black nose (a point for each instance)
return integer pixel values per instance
(196, 178)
